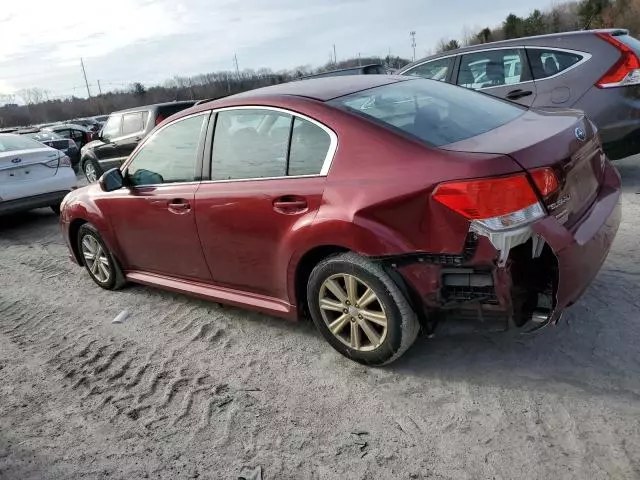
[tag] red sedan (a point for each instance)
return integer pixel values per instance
(374, 203)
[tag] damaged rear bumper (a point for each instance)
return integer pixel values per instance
(538, 280)
(582, 250)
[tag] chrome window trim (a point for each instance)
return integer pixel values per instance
(406, 72)
(585, 58)
(328, 159)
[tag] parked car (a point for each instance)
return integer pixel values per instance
(378, 203)
(88, 123)
(79, 134)
(32, 175)
(596, 71)
(372, 69)
(53, 140)
(121, 135)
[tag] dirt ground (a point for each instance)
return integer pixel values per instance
(187, 389)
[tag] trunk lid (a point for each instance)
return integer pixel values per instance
(27, 165)
(564, 140)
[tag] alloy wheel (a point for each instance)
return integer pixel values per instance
(96, 259)
(90, 172)
(353, 312)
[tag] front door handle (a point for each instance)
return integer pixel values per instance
(516, 94)
(179, 206)
(290, 205)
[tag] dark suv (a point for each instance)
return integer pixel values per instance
(121, 135)
(597, 71)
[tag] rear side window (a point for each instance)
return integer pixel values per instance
(132, 123)
(309, 147)
(550, 62)
(250, 143)
(435, 112)
(491, 68)
(435, 69)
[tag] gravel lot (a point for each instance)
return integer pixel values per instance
(187, 389)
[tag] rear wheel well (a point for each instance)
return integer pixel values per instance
(303, 271)
(74, 228)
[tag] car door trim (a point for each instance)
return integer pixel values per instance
(326, 164)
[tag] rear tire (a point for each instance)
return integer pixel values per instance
(102, 266)
(92, 170)
(360, 311)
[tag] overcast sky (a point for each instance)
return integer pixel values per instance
(125, 41)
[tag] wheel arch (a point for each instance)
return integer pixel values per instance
(74, 229)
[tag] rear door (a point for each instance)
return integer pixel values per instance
(263, 186)
(501, 72)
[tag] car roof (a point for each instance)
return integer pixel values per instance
(514, 41)
(323, 89)
(155, 106)
(27, 130)
(65, 125)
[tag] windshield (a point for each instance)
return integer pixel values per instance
(435, 112)
(11, 142)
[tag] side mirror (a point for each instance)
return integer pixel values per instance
(111, 180)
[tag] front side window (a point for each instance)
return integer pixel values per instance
(434, 70)
(491, 68)
(436, 113)
(170, 155)
(132, 123)
(250, 143)
(112, 127)
(547, 63)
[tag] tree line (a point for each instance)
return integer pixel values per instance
(568, 16)
(39, 108)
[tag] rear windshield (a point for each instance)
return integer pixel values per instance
(435, 112)
(43, 136)
(630, 42)
(10, 143)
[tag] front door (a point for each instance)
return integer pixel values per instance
(106, 152)
(153, 218)
(265, 188)
(502, 72)
(133, 126)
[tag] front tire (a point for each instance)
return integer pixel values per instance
(360, 311)
(92, 170)
(98, 259)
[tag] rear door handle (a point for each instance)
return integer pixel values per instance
(179, 205)
(516, 94)
(289, 205)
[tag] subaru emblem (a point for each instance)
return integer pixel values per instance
(580, 135)
(16, 160)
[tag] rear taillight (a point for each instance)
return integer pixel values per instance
(62, 161)
(499, 203)
(545, 180)
(626, 70)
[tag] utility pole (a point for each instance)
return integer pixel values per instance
(412, 33)
(359, 61)
(335, 57)
(85, 78)
(235, 61)
(99, 87)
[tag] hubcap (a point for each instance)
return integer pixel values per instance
(96, 259)
(90, 172)
(352, 312)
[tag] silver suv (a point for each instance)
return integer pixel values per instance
(597, 71)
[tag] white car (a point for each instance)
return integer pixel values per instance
(32, 175)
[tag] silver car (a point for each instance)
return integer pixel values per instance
(597, 71)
